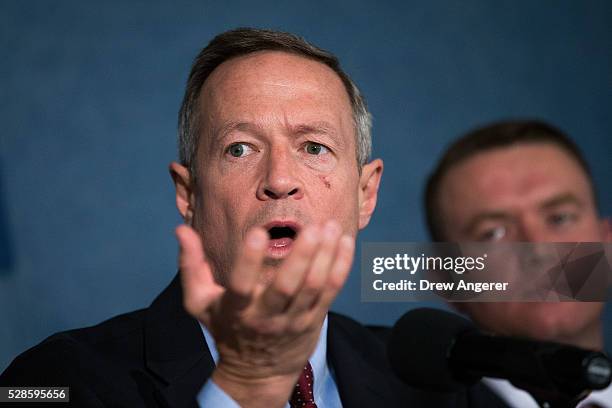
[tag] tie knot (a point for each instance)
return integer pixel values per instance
(303, 396)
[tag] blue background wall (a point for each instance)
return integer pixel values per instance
(89, 95)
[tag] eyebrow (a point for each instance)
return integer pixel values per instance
(561, 199)
(230, 127)
(313, 127)
(318, 128)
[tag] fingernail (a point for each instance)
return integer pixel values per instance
(347, 241)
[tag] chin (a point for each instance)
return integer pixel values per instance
(561, 322)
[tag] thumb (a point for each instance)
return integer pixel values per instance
(200, 290)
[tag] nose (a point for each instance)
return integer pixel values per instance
(537, 258)
(280, 179)
(532, 229)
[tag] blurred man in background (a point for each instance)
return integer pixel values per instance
(520, 181)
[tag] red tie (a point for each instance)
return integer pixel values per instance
(302, 396)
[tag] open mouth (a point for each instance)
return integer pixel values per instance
(276, 233)
(282, 236)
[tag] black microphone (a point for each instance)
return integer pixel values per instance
(441, 351)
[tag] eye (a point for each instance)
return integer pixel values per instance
(561, 219)
(239, 149)
(316, 148)
(494, 234)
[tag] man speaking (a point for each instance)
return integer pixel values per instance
(274, 182)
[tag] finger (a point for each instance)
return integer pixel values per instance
(247, 268)
(199, 286)
(338, 274)
(316, 277)
(191, 254)
(288, 278)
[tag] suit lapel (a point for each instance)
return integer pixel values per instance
(175, 349)
(359, 383)
(176, 354)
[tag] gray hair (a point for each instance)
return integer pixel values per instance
(242, 41)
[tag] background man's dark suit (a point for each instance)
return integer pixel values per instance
(158, 357)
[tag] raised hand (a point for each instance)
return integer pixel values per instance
(265, 332)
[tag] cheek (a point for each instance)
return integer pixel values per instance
(325, 181)
(325, 163)
(334, 199)
(563, 319)
(220, 212)
(589, 231)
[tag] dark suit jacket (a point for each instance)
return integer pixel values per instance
(157, 357)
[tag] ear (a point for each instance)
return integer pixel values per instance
(185, 196)
(368, 190)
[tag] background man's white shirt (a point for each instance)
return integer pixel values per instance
(517, 398)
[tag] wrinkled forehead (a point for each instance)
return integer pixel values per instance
(277, 85)
(278, 67)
